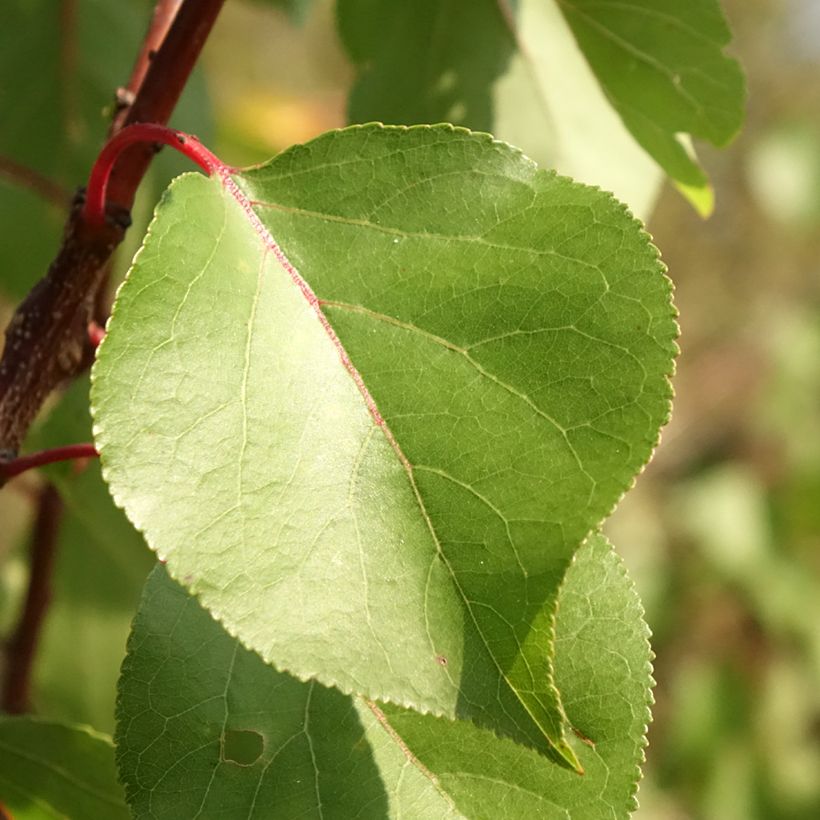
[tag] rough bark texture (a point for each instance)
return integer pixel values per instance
(47, 338)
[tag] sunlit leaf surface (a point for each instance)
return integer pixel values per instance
(262, 744)
(380, 486)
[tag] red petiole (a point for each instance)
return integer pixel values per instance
(94, 212)
(186, 144)
(96, 333)
(68, 453)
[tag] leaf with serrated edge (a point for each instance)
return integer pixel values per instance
(190, 694)
(491, 65)
(599, 89)
(51, 770)
(603, 670)
(662, 66)
(380, 486)
(189, 691)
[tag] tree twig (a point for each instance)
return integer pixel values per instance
(138, 134)
(21, 647)
(69, 452)
(164, 13)
(47, 335)
(167, 72)
(25, 177)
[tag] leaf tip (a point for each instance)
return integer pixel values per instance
(700, 197)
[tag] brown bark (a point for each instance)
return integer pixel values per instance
(47, 336)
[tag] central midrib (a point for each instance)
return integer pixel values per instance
(313, 301)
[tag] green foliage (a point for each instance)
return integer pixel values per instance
(193, 700)
(377, 489)
(470, 64)
(460, 281)
(660, 65)
(49, 770)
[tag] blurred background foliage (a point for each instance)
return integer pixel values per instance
(722, 533)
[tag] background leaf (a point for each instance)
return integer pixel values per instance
(492, 66)
(516, 333)
(513, 68)
(49, 770)
(189, 692)
(661, 64)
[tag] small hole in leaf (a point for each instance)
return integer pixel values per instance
(441, 660)
(242, 747)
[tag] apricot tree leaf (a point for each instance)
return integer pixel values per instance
(51, 770)
(512, 68)
(662, 65)
(377, 480)
(261, 743)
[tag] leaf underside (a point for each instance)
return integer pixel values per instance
(378, 480)
(208, 729)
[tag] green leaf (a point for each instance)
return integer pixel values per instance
(490, 67)
(661, 63)
(382, 489)
(189, 692)
(603, 670)
(204, 725)
(516, 70)
(49, 770)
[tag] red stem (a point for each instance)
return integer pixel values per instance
(96, 333)
(21, 648)
(19, 465)
(131, 135)
(159, 77)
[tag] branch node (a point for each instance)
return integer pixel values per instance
(123, 98)
(96, 209)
